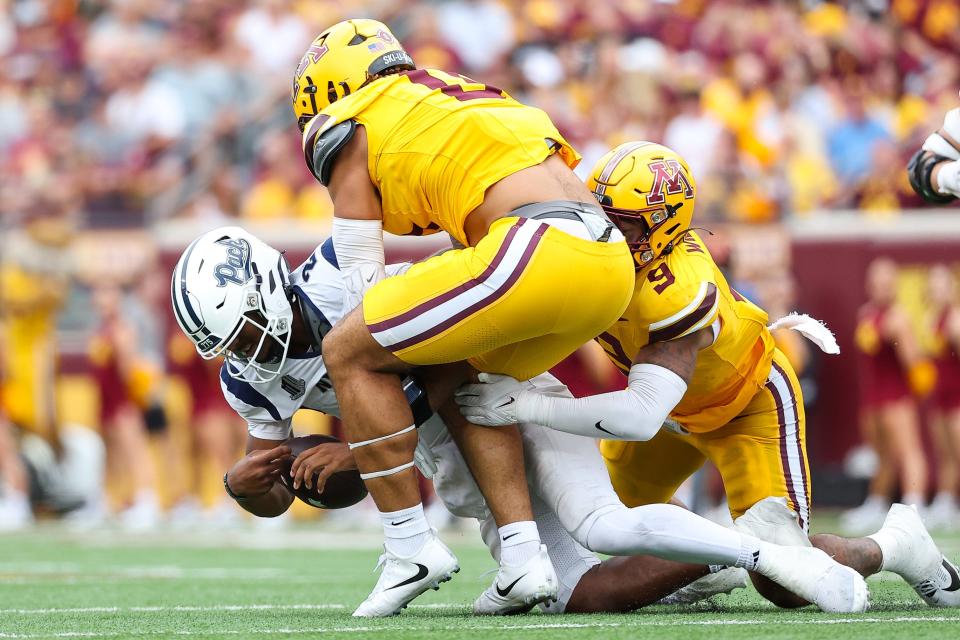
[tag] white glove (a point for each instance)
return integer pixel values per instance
(356, 281)
(424, 459)
(493, 402)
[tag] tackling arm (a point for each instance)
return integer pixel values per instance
(657, 382)
(358, 219)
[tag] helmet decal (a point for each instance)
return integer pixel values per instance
(312, 56)
(667, 174)
(236, 269)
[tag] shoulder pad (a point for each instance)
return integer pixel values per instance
(324, 148)
(684, 311)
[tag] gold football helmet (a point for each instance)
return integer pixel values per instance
(341, 60)
(649, 193)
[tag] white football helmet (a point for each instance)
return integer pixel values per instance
(228, 279)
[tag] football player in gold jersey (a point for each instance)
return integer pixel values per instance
(706, 382)
(418, 151)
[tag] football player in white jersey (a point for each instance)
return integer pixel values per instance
(233, 297)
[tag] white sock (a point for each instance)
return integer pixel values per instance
(406, 530)
(519, 541)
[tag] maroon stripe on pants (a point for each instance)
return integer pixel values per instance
(784, 459)
(480, 304)
(801, 450)
(443, 297)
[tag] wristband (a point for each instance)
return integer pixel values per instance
(238, 498)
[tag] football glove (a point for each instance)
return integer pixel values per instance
(492, 402)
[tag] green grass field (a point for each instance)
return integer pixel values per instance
(304, 584)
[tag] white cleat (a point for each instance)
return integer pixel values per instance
(816, 577)
(517, 589)
(722, 582)
(403, 579)
(910, 552)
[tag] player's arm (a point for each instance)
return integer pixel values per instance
(253, 481)
(934, 170)
(340, 162)
(657, 380)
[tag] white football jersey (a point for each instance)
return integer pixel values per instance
(303, 382)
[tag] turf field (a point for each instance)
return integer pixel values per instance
(302, 584)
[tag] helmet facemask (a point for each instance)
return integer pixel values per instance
(265, 360)
(639, 225)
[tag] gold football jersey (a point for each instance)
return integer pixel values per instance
(436, 142)
(677, 295)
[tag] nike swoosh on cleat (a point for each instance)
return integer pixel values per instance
(954, 577)
(421, 574)
(602, 429)
(397, 524)
(503, 593)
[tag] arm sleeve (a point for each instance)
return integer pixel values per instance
(358, 245)
(636, 413)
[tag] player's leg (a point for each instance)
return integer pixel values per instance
(572, 481)
(900, 426)
(454, 307)
(587, 585)
(380, 427)
(493, 458)
(761, 454)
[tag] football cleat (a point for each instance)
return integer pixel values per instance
(517, 589)
(403, 579)
(814, 576)
(721, 582)
(909, 551)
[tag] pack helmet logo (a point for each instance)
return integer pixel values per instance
(236, 269)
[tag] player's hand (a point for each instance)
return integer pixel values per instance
(424, 459)
(255, 473)
(321, 461)
(492, 402)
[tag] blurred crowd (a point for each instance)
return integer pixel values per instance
(133, 111)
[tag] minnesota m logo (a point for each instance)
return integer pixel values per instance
(668, 174)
